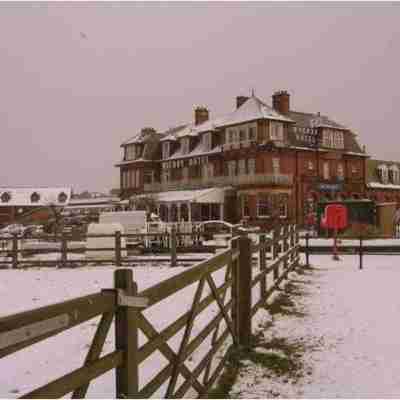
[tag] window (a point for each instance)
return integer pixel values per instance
(232, 168)
(148, 177)
(275, 130)
(138, 151)
(340, 171)
(5, 197)
(252, 133)
(242, 135)
(62, 197)
(185, 173)
(231, 136)
(166, 176)
(326, 171)
(252, 166)
(275, 165)
(310, 165)
(394, 174)
(245, 206)
(207, 141)
(263, 206)
(283, 205)
(242, 167)
(137, 178)
(333, 139)
(124, 179)
(35, 197)
(185, 145)
(165, 150)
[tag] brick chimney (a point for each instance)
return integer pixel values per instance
(281, 101)
(240, 100)
(201, 115)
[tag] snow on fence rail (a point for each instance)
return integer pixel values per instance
(222, 301)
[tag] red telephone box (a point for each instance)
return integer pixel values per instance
(336, 216)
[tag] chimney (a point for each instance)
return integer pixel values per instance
(281, 101)
(240, 100)
(201, 115)
(148, 131)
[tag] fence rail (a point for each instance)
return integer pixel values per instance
(231, 288)
(13, 249)
(362, 248)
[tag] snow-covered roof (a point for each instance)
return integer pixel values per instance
(377, 185)
(132, 161)
(34, 196)
(95, 200)
(211, 195)
(253, 109)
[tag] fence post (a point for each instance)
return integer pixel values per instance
(15, 251)
(263, 266)
(361, 253)
(307, 251)
(118, 248)
(275, 252)
(64, 250)
(291, 232)
(285, 246)
(126, 338)
(243, 292)
(173, 246)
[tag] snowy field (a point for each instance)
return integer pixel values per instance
(30, 368)
(350, 330)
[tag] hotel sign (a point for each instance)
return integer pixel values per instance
(330, 187)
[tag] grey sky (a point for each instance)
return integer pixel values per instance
(79, 78)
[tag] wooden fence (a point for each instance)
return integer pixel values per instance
(13, 249)
(225, 281)
(362, 248)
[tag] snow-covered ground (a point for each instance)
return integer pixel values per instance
(350, 332)
(32, 367)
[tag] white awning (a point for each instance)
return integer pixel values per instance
(211, 195)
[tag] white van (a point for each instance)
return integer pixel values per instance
(132, 221)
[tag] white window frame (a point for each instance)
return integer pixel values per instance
(166, 146)
(232, 170)
(325, 170)
(340, 171)
(310, 165)
(251, 166)
(276, 165)
(276, 130)
(242, 167)
(242, 202)
(258, 206)
(185, 144)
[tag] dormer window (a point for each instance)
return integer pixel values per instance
(165, 150)
(130, 152)
(333, 139)
(35, 197)
(62, 197)
(252, 133)
(5, 197)
(383, 173)
(185, 145)
(276, 130)
(394, 174)
(138, 151)
(207, 141)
